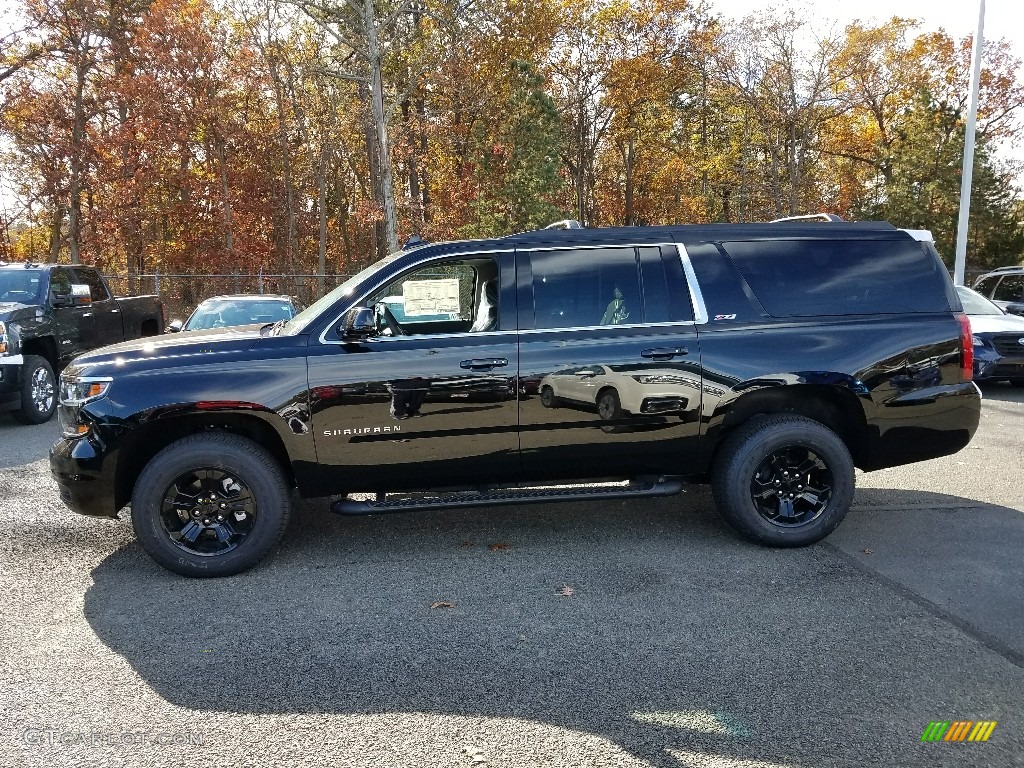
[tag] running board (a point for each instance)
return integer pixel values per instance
(529, 495)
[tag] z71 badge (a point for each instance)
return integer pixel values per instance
(725, 317)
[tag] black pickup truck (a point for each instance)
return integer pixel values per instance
(50, 313)
(579, 364)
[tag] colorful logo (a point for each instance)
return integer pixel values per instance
(958, 730)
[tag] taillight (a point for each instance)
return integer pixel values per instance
(966, 348)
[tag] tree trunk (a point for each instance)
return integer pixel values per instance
(77, 148)
(380, 124)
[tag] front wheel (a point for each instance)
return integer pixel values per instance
(38, 391)
(547, 397)
(210, 505)
(785, 481)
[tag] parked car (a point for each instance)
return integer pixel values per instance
(239, 309)
(632, 389)
(998, 339)
(48, 314)
(812, 348)
(1005, 287)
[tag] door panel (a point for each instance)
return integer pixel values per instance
(431, 410)
(416, 413)
(624, 365)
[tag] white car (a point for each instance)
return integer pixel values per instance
(644, 391)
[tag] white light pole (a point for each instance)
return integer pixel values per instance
(967, 174)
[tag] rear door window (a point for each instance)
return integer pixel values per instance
(586, 288)
(805, 278)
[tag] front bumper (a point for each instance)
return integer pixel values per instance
(989, 365)
(85, 476)
(10, 384)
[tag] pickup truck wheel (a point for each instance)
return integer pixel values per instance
(210, 505)
(38, 391)
(547, 397)
(785, 481)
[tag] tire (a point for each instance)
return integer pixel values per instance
(246, 488)
(609, 407)
(38, 391)
(547, 397)
(770, 458)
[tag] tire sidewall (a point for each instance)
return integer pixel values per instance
(257, 470)
(738, 508)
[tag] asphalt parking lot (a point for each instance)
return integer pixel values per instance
(621, 634)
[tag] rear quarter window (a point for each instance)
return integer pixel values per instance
(805, 278)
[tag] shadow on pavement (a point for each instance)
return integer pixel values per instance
(678, 636)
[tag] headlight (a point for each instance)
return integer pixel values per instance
(77, 390)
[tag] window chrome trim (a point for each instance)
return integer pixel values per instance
(700, 312)
(696, 297)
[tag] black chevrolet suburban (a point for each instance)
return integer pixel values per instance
(49, 313)
(769, 360)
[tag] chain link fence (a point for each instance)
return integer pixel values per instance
(181, 293)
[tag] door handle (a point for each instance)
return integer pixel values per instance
(484, 363)
(87, 314)
(664, 352)
(114, 311)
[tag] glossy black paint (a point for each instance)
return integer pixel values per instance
(457, 409)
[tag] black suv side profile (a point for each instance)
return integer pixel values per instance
(572, 364)
(1004, 287)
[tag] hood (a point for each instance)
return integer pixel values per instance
(12, 310)
(996, 324)
(217, 340)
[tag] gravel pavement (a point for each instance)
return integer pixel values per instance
(639, 633)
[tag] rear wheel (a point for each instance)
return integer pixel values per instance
(210, 505)
(785, 481)
(38, 391)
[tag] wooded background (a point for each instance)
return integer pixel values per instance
(305, 136)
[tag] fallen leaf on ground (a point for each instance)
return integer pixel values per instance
(468, 544)
(497, 545)
(442, 604)
(567, 591)
(869, 552)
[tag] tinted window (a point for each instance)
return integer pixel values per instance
(985, 286)
(96, 287)
(1010, 288)
(60, 282)
(586, 287)
(793, 278)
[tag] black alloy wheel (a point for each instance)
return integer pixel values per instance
(208, 511)
(791, 486)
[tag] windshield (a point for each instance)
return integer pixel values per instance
(314, 310)
(976, 304)
(21, 286)
(221, 313)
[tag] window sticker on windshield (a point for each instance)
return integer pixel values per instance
(431, 297)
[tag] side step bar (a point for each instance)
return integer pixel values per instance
(515, 495)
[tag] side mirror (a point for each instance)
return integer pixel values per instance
(357, 325)
(81, 294)
(174, 326)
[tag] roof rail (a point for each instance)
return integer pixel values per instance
(825, 217)
(1007, 268)
(565, 224)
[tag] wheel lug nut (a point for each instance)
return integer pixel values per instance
(778, 482)
(206, 521)
(220, 518)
